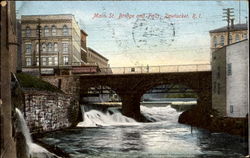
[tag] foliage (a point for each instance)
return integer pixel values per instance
(32, 82)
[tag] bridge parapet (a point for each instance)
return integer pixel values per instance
(156, 69)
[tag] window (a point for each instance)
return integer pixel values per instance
(218, 72)
(218, 88)
(28, 48)
(28, 61)
(44, 60)
(44, 47)
(46, 31)
(222, 38)
(231, 108)
(55, 47)
(66, 60)
(53, 30)
(229, 69)
(65, 47)
(50, 61)
(237, 37)
(215, 41)
(37, 61)
(230, 38)
(50, 47)
(37, 47)
(244, 36)
(65, 30)
(56, 60)
(28, 31)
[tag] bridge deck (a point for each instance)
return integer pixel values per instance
(152, 69)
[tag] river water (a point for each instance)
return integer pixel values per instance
(109, 134)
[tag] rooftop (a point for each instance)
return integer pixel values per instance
(48, 16)
(92, 50)
(82, 31)
(237, 27)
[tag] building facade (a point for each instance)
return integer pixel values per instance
(95, 58)
(84, 49)
(219, 37)
(230, 79)
(59, 41)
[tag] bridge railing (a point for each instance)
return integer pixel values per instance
(156, 69)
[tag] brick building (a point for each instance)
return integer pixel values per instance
(95, 58)
(60, 41)
(219, 37)
(84, 49)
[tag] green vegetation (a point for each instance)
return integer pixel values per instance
(31, 82)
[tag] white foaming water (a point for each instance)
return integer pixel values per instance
(160, 113)
(33, 149)
(95, 118)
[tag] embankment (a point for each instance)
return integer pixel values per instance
(199, 117)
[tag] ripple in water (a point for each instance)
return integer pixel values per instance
(110, 134)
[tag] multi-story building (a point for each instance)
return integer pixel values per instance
(60, 38)
(95, 58)
(84, 49)
(219, 37)
(230, 79)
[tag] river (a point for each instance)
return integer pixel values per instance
(111, 135)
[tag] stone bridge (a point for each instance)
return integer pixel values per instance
(131, 86)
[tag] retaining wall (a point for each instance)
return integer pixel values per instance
(47, 111)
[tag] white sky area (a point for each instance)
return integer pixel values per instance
(140, 41)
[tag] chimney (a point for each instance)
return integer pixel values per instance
(232, 23)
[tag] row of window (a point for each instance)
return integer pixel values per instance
(53, 31)
(47, 61)
(222, 39)
(49, 47)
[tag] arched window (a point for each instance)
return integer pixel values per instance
(237, 37)
(215, 41)
(28, 31)
(44, 47)
(46, 31)
(65, 30)
(222, 40)
(50, 47)
(55, 47)
(53, 30)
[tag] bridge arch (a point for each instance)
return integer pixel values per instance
(130, 87)
(104, 92)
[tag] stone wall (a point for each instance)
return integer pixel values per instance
(47, 111)
(68, 84)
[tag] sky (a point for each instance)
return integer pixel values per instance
(140, 33)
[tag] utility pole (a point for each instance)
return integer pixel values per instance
(239, 12)
(39, 45)
(228, 17)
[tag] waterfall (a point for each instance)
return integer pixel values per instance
(33, 150)
(96, 118)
